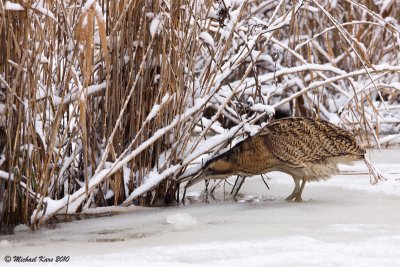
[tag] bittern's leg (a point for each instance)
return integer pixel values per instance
(295, 190)
(298, 196)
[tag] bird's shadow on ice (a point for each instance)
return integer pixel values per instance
(198, 197)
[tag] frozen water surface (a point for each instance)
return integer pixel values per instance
(342, 222)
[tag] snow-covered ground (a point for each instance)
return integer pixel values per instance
(342, 222)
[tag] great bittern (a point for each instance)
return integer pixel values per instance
(306, 149)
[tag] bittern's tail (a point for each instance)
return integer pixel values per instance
(376, 175)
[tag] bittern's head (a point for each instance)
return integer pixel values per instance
(218, 168)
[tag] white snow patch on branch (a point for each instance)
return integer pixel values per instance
(207, 38)
(6, 176)
(99, 13)
(156, 108)
(152, 179)
(92, 89)
(251, 129)
(13, 6)
(40, 7)
(155, 25)
(51, 206)
(154, 111)
(261, 108)
(42, 59)
(88, 5)
(109, 194)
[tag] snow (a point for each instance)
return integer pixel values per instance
(88, 4)
(13, 6)
(99, 13)
(40, 6)
(263, 108)
(251, 129)
(21, 228)
(73, 96)
(151, 180)
(109, 194)
(2, 159)
(78, 196)
(6, 176)
(343, 221)
(153, 112)
(156, 108)
(5, 244)
(258, 227)
(42, 59)
(181, 220)
(393, 138)
(51, 206)
(386, 5)
(155, 26)
(207, 38)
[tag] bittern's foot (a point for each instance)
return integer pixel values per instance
(290, 198)
(298, 199)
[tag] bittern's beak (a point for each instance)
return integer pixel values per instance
(197, 178)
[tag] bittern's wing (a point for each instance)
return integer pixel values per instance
(299, 140)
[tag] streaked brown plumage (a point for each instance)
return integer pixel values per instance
(306, 149)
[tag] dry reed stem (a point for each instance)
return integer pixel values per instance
(80, 82)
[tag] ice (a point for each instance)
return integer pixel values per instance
(393, 138)
(181, 220)
(5, 244)
(343, 221)
(21, 228)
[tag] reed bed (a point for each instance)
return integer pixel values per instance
(110, 103)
